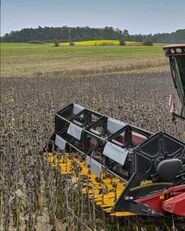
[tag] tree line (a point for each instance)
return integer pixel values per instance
(70, 34)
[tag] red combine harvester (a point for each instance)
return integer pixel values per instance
(142, 174)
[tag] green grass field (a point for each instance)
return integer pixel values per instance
(32, 60)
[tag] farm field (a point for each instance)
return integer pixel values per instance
(130, 83)
(98, 42)
(28, 186)
(33, 60)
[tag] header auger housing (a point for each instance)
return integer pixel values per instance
(129, 171)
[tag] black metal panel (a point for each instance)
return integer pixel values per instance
(147, 157)
(128, 134)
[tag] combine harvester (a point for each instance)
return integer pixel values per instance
(125, 170)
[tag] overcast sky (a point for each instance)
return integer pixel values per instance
(138, 16)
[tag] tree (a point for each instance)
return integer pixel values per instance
(56, 43)
(126, 33)
(122, 42)
(71, 44)
(147, 43)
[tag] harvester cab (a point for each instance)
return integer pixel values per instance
(176, 54)
(124, 168)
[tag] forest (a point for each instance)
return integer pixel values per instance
(70, 34)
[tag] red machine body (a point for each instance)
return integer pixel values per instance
(170, 201)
